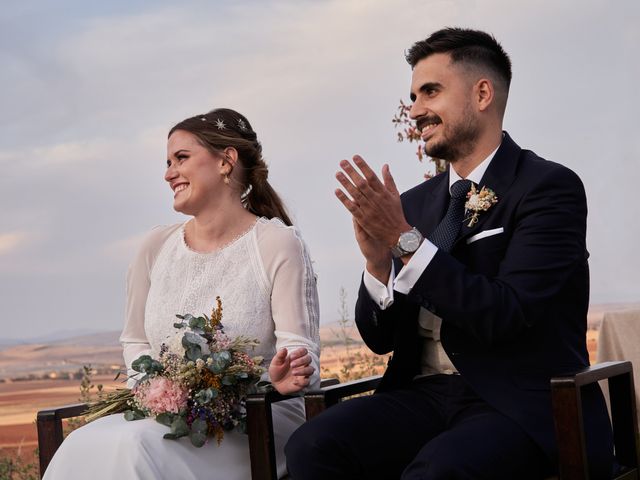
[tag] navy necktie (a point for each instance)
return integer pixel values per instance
(445, 234)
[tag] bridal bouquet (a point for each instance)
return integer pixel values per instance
(197, 386)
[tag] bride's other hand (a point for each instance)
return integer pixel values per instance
(290, 372)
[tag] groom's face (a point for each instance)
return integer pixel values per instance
(442, 107)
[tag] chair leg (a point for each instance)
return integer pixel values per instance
(49, 437)
(624, 419)
(261, 441)
(567, 408)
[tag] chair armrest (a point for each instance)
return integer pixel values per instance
(568, 418)
(592, 374)
(260, 430)
(49, 424)
(319, 400)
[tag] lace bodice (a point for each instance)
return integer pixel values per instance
(263, 277)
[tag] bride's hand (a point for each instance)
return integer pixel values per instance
(290, 372)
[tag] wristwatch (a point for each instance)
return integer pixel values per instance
(408, 242)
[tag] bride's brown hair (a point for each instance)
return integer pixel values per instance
(222, 128)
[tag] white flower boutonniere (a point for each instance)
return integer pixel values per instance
(478, 201)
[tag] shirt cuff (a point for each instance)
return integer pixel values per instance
(411, 272)
(380, 293)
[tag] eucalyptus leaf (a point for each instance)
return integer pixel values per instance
(178, 325)
(193, 352)
(192, 338)
(156, 366)
(197, 439)
(170, 436)
(199, 430)
(206, 395)
(220, 361)
(142, 364)
(166, 418)
(181, 317)
(179, 427)
(199, 425)
(197, 323)
(228, 380)
(132, 415)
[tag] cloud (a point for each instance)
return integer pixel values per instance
(12, 241)
(88, 99)
(57, 155)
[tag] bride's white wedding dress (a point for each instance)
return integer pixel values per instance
(268, 292)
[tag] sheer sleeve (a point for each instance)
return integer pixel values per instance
(133, 338)
(294, 295)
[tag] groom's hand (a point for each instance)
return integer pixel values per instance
(376, 209)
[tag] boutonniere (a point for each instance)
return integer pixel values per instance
(478, 201)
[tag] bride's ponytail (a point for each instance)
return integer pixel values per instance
(262, 199)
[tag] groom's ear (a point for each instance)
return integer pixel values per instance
(483, 94)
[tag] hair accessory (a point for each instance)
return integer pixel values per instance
(204, 119)
(242, 124)
(220, 124)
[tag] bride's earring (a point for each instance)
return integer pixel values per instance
(226, 179)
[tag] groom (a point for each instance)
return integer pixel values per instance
(477, 281)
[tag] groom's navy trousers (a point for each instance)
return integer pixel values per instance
(513, 306)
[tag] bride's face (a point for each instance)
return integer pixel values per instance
(194, 174)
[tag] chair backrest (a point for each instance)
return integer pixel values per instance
(569, 422)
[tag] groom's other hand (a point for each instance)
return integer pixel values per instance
(376, 254)
(377, 212)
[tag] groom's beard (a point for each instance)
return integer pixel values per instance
(459, 139)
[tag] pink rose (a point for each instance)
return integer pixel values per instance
(161, 395)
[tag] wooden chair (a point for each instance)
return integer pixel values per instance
(259, 426)
(569, 422)
(260, 430)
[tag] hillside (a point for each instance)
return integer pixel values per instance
(63, 357)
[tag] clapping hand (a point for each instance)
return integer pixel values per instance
(378, 218)
(290, 372)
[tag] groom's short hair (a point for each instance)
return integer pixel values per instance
(466, 46)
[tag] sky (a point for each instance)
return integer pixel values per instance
(88, 91)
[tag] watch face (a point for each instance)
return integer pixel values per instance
(410, 241)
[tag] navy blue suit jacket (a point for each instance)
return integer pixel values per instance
(513, 305)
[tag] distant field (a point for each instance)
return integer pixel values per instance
(19, 403)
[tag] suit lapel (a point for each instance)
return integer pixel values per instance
(498, 177)
(435, 204)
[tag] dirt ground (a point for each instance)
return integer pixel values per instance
(20, 402)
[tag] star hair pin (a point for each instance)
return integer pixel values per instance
(242, 125)
(477, 202)
(220, 124)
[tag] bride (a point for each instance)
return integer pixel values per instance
(238, 244)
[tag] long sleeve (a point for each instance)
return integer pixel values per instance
(294, 296)
(134, 338)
